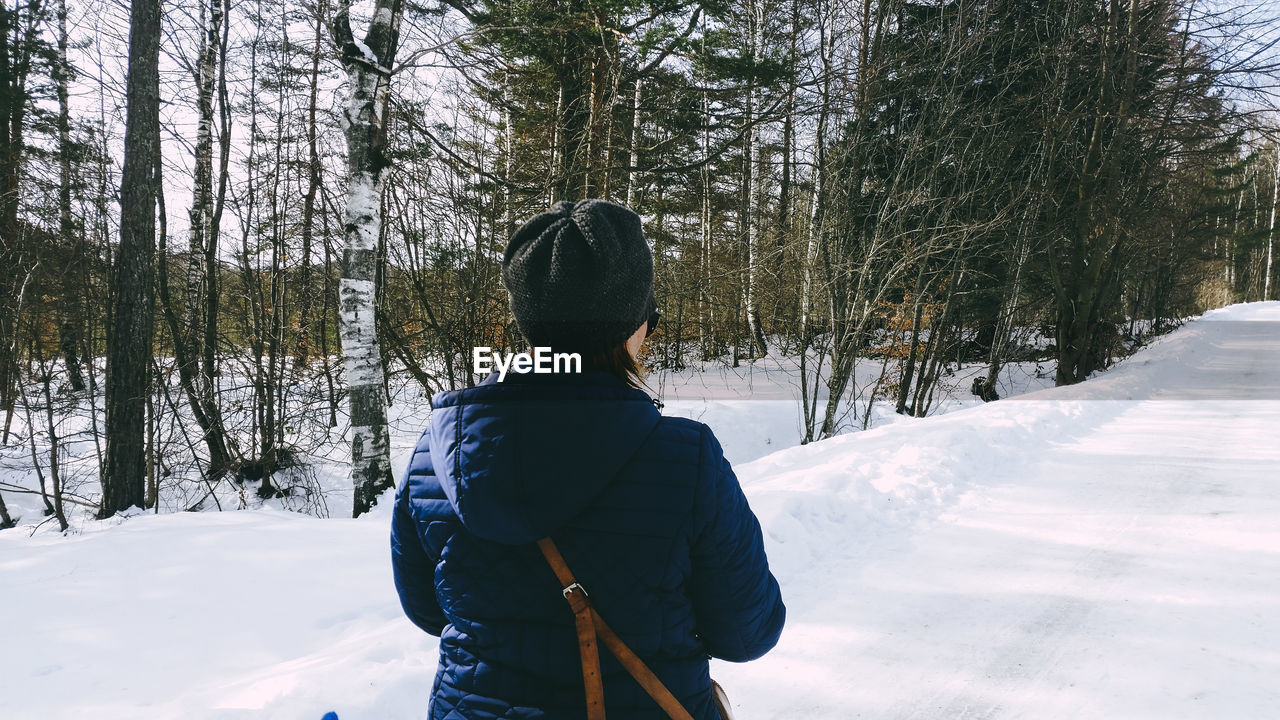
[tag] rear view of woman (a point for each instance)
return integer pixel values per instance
(644, 509)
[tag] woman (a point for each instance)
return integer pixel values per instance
(645, 509)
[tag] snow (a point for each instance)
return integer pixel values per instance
(215, 615)
(755, 409)
(1110, 550)
(365, 51)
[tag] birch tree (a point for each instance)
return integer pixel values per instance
(196, 326)
(368, 63)
(1271, 230)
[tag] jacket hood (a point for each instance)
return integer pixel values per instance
(518, 459)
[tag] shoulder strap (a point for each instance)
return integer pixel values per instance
(590, 625)
(581, 606)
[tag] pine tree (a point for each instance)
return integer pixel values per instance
(129, 350)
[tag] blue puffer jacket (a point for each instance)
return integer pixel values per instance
(645, 510)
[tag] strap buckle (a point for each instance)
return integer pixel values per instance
(575, 586)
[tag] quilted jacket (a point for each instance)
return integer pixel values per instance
(645, 510)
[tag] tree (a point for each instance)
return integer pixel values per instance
(20, 50)
(194, 328)
(368, 64)
(129, 351)
(70, 327)
(6, 521)
(1138, 99)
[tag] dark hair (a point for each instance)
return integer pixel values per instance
(616, 360)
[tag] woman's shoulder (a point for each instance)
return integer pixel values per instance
(691, 445)
(420, 489)
(420, 466)
(682, 437)
(681, 428)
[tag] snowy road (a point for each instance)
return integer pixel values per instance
(1124, 566)
(1110, 550)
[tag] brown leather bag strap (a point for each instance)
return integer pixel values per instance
(640, 671)
(577, 598)
(582, 617)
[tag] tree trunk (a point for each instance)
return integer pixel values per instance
(1271, 229)
(6, 521)
(129, 349)
(55, 465)
(17, 41)
(1004, 322)
(508, 149)
(706, 310)
(633, 165)
(788, 133)
(212, 280)
(201, 214)
(913, 347)
(368, 65)
(751, 184)
(70, 326)
(190, 333)
(808, 397)
(303, 352)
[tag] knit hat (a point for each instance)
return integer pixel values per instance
(580, 276)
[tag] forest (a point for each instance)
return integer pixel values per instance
(229, 230)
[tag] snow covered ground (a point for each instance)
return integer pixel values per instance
(1064, 554)
(1110, 550)
(755, 409)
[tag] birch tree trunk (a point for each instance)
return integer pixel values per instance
(706, 310)
(555, 168)
(189, 338)
(1271, 231)
(129, 350)
(751, 191)
(202, 194)
(368, 64)
(508, 145)
(634, 163)
(1229, 259)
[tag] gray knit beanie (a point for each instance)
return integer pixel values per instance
(580, 276)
